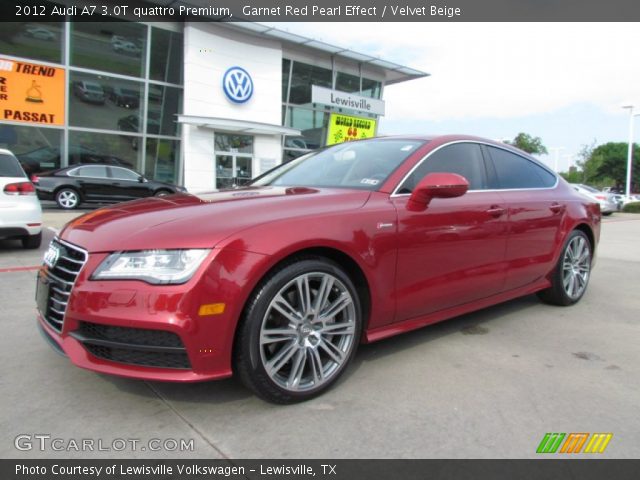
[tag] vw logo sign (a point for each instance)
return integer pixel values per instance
(237, 85)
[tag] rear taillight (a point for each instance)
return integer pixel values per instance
(22, 188)
(601, 197)
(34, 178)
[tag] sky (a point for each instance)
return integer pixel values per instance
(563, 82)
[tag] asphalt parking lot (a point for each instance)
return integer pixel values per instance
(485, 385)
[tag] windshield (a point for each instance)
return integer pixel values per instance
(9, 166)
(364, 165)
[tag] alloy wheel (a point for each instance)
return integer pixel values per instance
(576, 267)
(68, 199)
(308, 331)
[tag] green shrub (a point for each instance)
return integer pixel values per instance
(633, 207)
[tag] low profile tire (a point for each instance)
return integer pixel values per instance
(68, 198)
(570, 277)
(32, 241)
(299, 332)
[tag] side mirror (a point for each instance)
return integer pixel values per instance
(436, 185)
(141, 179)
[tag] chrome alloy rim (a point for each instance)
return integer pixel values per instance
(576, 266)
(68, 199)
(308, 331)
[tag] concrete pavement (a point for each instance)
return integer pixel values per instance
(485, 385)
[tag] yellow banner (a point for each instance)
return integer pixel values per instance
(31, 93)
(344, 128)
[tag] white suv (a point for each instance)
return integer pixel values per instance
(20, 211)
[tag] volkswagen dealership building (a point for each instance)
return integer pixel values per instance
(203, 104)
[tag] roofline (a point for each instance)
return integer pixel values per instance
(399, 73)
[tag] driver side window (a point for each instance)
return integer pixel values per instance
(462, 158)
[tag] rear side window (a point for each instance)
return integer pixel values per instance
(462, 158)
(92, 171)
(514, 171)
(9, 166)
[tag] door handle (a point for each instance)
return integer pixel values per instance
(116, 184)
(557, 207)
(496, 211)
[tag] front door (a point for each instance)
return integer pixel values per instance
(453, 252)
(234, 160)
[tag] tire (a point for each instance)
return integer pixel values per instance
(68, 198)
(32, 241)
(606, 214)
(308, 352)
(162, 193)
(571, 275)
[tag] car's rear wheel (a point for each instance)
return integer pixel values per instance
(32, 241)
(68, 198)
(162, 193)
(299, 332)
(570, 277)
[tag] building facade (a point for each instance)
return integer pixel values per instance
(204, 104)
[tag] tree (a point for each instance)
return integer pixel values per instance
(529, 144)
(612, 158)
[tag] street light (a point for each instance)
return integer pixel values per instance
(629, 149)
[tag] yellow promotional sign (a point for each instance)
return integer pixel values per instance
(31, 93)
(344, 128)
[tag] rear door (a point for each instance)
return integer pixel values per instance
(452, 252)
(535, 214)
(92, 181)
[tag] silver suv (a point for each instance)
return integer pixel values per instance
(20, 211)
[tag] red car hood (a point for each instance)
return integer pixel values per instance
(200, 221)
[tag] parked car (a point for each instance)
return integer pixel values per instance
(71, 186)
(607, 201)
(131, 123)
(48, 158)
(89, 92)
(124, 97)
(126, 47)
(39, 33)
(279, 282)
(20, 211)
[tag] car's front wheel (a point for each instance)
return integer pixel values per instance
(68, 198)
(299, 332)
(570, 277)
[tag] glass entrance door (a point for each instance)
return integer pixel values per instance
(234, 160)
(233, 170)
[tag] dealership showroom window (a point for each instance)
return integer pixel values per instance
(150, 96)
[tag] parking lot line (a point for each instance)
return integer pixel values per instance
(19, 269)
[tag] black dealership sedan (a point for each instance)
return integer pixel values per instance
(71, 186)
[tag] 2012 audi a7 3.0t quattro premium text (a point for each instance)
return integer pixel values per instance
(281, 280)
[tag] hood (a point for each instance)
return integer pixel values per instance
(201, 221)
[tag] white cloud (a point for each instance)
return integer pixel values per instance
(497, 70)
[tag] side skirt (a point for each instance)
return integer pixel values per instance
(435, 317)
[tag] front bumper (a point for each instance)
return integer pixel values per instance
(129, 307)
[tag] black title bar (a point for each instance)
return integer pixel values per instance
(322, 10)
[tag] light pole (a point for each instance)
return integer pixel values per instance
(629, 150)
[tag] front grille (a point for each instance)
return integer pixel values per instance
(133, 346)
(62, 276)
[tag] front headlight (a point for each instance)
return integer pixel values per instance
(152, 266)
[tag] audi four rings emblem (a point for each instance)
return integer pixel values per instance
(237, 85)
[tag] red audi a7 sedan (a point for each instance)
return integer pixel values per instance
(278, 282)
